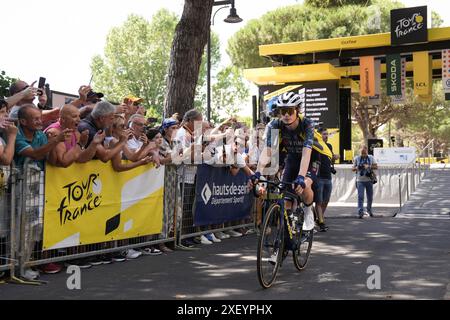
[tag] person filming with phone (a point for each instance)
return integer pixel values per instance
(22, 94)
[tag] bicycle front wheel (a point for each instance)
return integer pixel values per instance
(270, 246)
(304, 241)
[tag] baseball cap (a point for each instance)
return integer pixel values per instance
(94, 95)
(167, 123)
(132, 99)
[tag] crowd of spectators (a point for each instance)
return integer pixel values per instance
(91, 128)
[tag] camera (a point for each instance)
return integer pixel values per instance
(368, 174)
(44, 107)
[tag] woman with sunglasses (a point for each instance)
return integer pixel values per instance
(293, 135)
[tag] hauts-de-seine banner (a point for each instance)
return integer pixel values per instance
(91, 203)
(220, 196)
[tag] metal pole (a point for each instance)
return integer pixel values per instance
(389, 138)
(208, 78)
(254, 105)
(400, 191)
(420, 178)
(13, 251)
(407, 185)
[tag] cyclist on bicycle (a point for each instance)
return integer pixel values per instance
(295, 142)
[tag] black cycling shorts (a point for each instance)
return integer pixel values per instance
(292, 167)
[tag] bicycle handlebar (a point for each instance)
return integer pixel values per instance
(281, 185)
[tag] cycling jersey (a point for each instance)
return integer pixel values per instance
(291, 141)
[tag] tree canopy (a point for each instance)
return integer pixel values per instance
(136, 59)
(305, 22)
(5, 83)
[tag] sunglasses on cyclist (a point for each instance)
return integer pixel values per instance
(289, 111)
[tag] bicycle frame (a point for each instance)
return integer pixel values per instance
(280, 197)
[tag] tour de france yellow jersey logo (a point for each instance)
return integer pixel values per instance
(409, 25)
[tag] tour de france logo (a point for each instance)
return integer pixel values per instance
(406, 26)
(81, 197)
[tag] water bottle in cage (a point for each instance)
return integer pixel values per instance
(293, 220)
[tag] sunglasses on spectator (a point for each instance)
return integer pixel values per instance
(289, 111)
(24, 88)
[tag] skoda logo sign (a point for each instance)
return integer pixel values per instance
(206, 194)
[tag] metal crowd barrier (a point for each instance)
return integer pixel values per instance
(22, 199)
(186, 193)
(7, 219)
(31, 216)
(414, 173)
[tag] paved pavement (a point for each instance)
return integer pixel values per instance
(413, 256)
(432, 197)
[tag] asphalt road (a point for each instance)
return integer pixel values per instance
(413, 256)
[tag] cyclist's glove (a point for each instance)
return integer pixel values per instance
(300, 181)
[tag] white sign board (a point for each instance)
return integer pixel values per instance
(394, 155)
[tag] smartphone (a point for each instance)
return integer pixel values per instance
(41, 86)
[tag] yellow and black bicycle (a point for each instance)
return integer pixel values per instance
(281, 231)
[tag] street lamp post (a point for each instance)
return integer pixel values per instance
(232, 18)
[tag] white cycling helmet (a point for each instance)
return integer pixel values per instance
(289, 99)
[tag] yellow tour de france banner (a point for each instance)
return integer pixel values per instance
(422, 74)
(91, 203)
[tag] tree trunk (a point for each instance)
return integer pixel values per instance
(399, 137)
(191, 35)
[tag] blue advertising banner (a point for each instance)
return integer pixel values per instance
(220, 196)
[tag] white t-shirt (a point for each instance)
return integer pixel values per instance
(183, 140)
(134, 144)
(235, 159)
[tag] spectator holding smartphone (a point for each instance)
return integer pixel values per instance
(101, 118)
(138, 144)
(25, 94)
(8, 133)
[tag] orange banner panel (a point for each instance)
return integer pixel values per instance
(367, 76)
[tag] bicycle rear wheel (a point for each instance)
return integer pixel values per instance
(304, 241)
(270, 246)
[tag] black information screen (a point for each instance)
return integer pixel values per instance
(320, 100)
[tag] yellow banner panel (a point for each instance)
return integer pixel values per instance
(269, 96)
(91, 203)
(349, 83)
(301, 73)
(344, 43)
(424, 99)
(422, 73)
